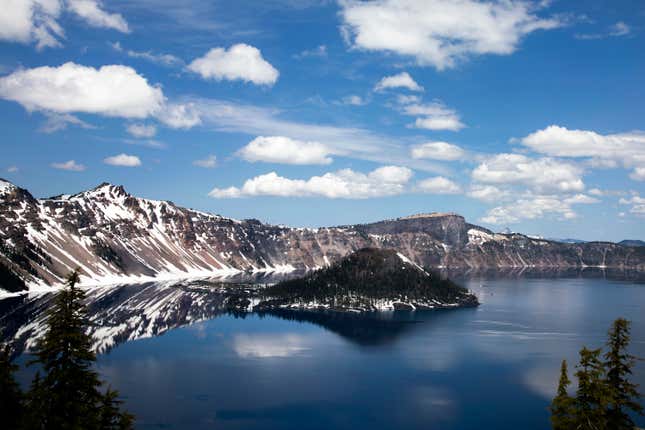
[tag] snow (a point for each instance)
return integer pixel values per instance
(410, 262)
(5, 186)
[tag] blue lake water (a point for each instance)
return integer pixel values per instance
(493, 367)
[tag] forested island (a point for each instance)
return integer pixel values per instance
(367, 280)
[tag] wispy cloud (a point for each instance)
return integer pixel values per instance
(619, 29)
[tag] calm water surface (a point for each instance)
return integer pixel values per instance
(494, 367)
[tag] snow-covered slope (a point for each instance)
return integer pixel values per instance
(113, 236)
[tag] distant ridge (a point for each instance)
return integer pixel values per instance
(115, 237)
(632, 242)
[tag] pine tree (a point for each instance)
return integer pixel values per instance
(11, 398)
(592, 397)
(618, 364)
(68, 396)
(562, 405)
(111, 416)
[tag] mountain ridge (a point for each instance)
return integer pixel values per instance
(115, 237)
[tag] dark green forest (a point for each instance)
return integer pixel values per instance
(373, 274)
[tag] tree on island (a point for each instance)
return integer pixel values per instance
(605, 396)
(66, 392)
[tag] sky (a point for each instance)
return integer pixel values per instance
(527, 115)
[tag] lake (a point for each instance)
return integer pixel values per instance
(492, 367)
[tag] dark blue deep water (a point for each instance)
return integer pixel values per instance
(494, 367)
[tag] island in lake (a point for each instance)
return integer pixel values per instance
(367, 280)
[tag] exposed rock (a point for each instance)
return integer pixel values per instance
(113, 236)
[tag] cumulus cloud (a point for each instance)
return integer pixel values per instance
(541, 174)
(123, 160)
(439, 33)
(488, 193)
(638, 174)
(180, 115)
(141, 130)
(434, 116)
(610, 150)
(280, 149)
(208, 163)
(70, 165)
(437, 151)
(36, 21)
(636, 202)
(110, 90)
(401, 80)
(342, 184)
(239, 62)
(532, 206)
(438, 185)
(354, 142)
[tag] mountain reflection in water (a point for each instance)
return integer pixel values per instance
(128, 312)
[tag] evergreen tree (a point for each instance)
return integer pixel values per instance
(592, 397)
(11, 398)
(111, 416)
(562, 406)
(68, 396)
(618, 364)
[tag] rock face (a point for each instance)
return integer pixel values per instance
(113, 236)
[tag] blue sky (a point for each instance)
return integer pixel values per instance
(526, 115)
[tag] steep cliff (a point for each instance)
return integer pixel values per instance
(113, 236)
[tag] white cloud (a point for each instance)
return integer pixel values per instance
(637, 204)
(353, 100)
(407, 99)
(401, 80)
(208, 163)
(596, 192)
(180, 115)
(581, 199)
(123, 160)
(437, 151)
(539, 174)
(626, 149)
(280, 149)
(638, 174)
(240, 62)
(488, 193)
(618, 29)
(438, 185)
(531, 206)
(27, 21)
(434, 116)
(345, 184)
(354, 142)
(12, 169)
(439, 33)
(110, 90)
(141, 130)
(60, 121)
(163, 59)
(320, 52)
(70, 165)
(91, 11)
